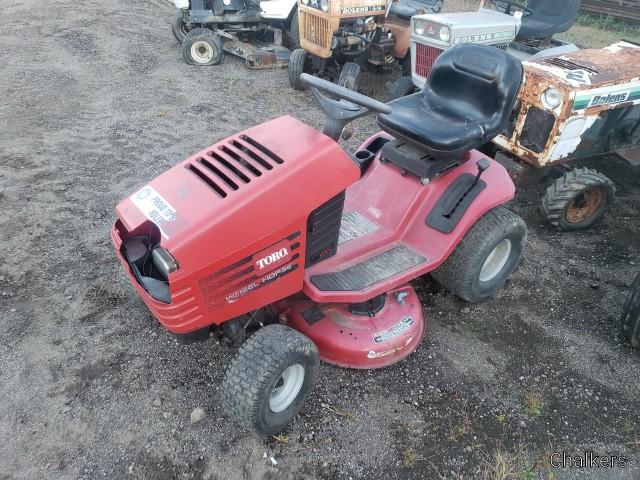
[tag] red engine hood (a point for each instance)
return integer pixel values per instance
(240, 190)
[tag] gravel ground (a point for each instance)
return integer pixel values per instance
(96, 101)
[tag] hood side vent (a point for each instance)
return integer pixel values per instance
(213, 156)
(568, 65)
(229, 165)
(275, 158)
(213, 185)
(219, 173)
(234, 153)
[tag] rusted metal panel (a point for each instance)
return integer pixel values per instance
(589, 82)
(257, 55)
(401, 33)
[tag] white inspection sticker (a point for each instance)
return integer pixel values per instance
(154, 207)
(395, 331)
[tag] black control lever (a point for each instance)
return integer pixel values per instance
(482, 164)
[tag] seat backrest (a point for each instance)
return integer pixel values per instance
(551, 16)
(478, 83)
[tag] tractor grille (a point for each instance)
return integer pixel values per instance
(425, 58)
(229, 165)
(315, 32)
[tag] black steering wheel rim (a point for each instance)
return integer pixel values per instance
(343, 93)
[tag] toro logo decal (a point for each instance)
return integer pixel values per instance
(272, 257)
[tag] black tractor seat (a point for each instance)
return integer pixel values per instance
(467, 100)
(548, 18)
(408, 8)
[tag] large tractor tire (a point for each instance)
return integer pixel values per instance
(485, 257)
(292, 32)
(401, 88)
(350, 76)
(630, 320)
(578, 199)
(269, 379)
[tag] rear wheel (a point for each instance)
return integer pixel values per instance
(485, 257)
(202, 47)
(402, 87)
(630, 320)
(350, 76)
(269, 379)
(178, 27)
(292, 32)
(578, 199)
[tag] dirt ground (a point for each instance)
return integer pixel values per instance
(96, 100)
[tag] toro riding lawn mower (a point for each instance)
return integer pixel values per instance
(280, 241)
(338, 37)
(250, 29)
(525, 31)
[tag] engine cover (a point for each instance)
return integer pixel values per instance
(234, 218)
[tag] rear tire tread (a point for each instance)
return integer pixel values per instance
(564, 189)
(456, 272)
(630, 319)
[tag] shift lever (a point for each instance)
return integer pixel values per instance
(482, 165)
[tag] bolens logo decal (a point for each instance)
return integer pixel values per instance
(482, 37)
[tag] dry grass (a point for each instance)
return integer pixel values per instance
(504, 465)
(533, 402)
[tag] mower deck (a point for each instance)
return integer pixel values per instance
(374, 334)
(257, 55)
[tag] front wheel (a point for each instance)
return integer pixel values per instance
(578, 199)
(269, 379)
(630, 320)
(202, 47)
(485, 257)
(401, 88)
(298, 64)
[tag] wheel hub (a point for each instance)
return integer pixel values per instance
(201, 52)
(584, 205)
(286, 388)
(496, 260)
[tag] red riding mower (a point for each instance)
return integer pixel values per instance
(300, 251)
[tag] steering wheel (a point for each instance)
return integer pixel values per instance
(347, 106)
(507, 4)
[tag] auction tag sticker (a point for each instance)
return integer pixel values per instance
(393, 332)
(154, 207)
